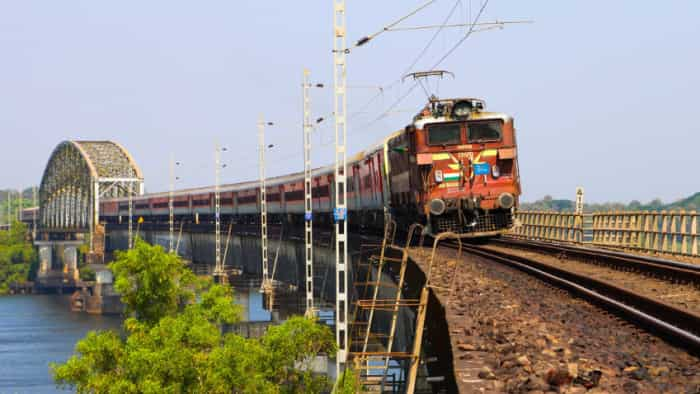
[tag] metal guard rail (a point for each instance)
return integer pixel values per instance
(667, 232)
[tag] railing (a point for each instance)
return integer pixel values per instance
(549, 226)
(672, 232)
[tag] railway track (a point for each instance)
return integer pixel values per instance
(676, 325)
(647, 265)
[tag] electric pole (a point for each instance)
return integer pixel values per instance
(308, 201)
(266, 286)
(19, 205)
(218, 269)
(131, 216)
(171, 208)
(340, 212)
(9, 210)
(36, 208)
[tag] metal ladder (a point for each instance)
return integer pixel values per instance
(372, 352)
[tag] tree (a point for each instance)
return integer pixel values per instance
(186, 353)
(290, 351)
(173, 343)
(280, 362)
(18, 259)
(348, 382)
(655, 204)
(170, 355)
(153, 284)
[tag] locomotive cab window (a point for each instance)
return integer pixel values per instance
(445, 134)
(484, 131)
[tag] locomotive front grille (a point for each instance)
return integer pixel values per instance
(494, 221)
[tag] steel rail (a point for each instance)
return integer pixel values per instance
(665, 269)
(676, 325)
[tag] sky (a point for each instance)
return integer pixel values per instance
(603, 93)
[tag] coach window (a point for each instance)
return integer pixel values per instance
(484, 131)
(445, 134)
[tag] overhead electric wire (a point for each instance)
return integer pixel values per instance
(488, 24)
(389, 27)
(366, 39)
(432, 39)
(473, 24)
(392, 27)
(466, 36)
(386, 28)
(366, 126)
(413, 63)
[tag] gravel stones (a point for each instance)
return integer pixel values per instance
(681, 295)
(512, 333)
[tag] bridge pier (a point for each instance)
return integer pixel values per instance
(58, 264)
(70, 262)
(45, 260)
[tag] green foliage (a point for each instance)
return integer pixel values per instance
(14, 205)
(174, 343)
(290, 350)
(691, 203)
(93, 371)
(186, 353)
(216, 305)
(87, 274)
(153, 284)
(169, 356)
(83, 251)
(348, 383)
(17, 256)
(547, 203)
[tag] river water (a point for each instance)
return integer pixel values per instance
(36, 330)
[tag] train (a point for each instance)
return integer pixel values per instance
(453, 168)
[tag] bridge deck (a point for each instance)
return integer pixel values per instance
(467, 369)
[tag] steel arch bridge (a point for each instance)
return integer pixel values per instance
(77, 176)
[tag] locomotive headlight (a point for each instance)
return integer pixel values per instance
(506, 200)
(437, 206)
(438, 176)
(495, 171)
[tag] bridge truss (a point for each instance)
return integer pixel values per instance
(77, 176)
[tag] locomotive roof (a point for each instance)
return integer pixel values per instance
(482, 115)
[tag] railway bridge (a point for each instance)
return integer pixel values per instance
(400, 295)
(78, 174)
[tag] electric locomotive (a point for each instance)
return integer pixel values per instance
(455, 168)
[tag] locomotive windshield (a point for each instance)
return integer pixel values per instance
(484, 131)
(445, 134)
